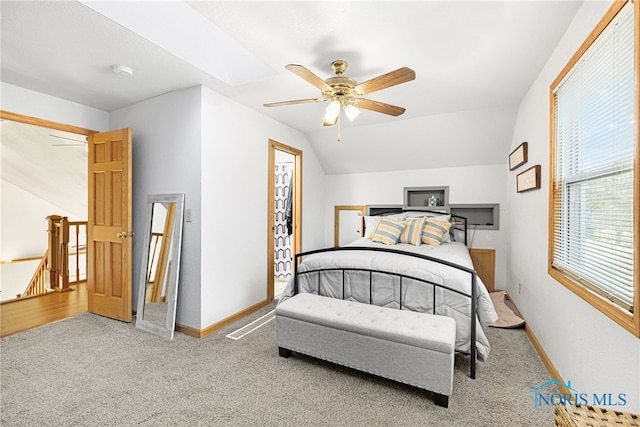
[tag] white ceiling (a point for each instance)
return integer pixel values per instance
(49, 164)
(474, 62)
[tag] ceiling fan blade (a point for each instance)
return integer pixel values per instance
(297, 101)
(401, 75)
(303, 72)
(379, 107)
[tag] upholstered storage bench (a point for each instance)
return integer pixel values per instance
(405, 346)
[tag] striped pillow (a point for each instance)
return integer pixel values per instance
(412, 232)
(388, 231)
(434, 231)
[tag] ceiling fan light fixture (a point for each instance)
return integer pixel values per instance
(332, 112)
(351, 111)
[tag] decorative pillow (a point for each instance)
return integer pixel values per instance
(434, 231)
(445, 218)
(432, 215)
(388, 231)
(412, 232)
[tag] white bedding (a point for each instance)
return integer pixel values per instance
(416, 295)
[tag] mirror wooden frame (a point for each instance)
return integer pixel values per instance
(166, 330)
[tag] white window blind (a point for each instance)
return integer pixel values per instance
(593, 195)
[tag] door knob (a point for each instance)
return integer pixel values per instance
(124, 234)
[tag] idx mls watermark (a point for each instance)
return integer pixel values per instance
(542, 398)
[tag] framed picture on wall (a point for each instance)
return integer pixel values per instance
(529, 179)
(518, 157)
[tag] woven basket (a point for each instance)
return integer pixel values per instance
(592, 416)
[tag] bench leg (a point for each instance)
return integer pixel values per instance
(283, 352)
(441, 400)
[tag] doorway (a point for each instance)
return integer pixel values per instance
(284, 214)
(44, 172)
(114, 150)
(348, 223)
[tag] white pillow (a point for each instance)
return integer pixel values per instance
(370, 223)
(399, 216)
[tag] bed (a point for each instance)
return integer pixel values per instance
(433, 278)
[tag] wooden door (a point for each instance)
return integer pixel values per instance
(348, 221)
(109, 225)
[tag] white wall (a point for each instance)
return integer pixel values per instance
(166, 159)
(30, 103)
(197, 142)
(234, 203)
(586, 347)
(473, 184)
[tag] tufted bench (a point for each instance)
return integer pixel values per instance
(406, 346)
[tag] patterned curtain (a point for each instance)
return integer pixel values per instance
(282, 245)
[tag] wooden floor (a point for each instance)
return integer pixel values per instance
(22, 314)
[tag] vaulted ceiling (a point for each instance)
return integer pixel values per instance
(474, 62)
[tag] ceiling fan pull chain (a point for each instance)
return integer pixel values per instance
(339, 137)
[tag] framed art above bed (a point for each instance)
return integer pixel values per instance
(528, 180)
(518, 157)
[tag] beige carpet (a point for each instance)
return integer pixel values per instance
(507, 316)
(92, 371)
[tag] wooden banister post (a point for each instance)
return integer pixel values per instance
(52, 266)
(58, 265)
(63, 257)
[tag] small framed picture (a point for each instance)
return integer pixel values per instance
(528, 180)
(518, 156)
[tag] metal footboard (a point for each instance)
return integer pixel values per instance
(473, 295)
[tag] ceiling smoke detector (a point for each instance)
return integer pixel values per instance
(122, 70)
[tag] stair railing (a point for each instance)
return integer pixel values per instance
(77, 250)
(52, 273)
(38, 283)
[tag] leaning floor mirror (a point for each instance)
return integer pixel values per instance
(158, 285)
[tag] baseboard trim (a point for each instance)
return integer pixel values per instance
(201, 333)
(540, 350)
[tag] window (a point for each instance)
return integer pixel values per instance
(594, 181)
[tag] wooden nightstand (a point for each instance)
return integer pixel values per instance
(484, 262)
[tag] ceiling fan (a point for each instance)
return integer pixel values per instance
(66, 139)
(346, 94)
